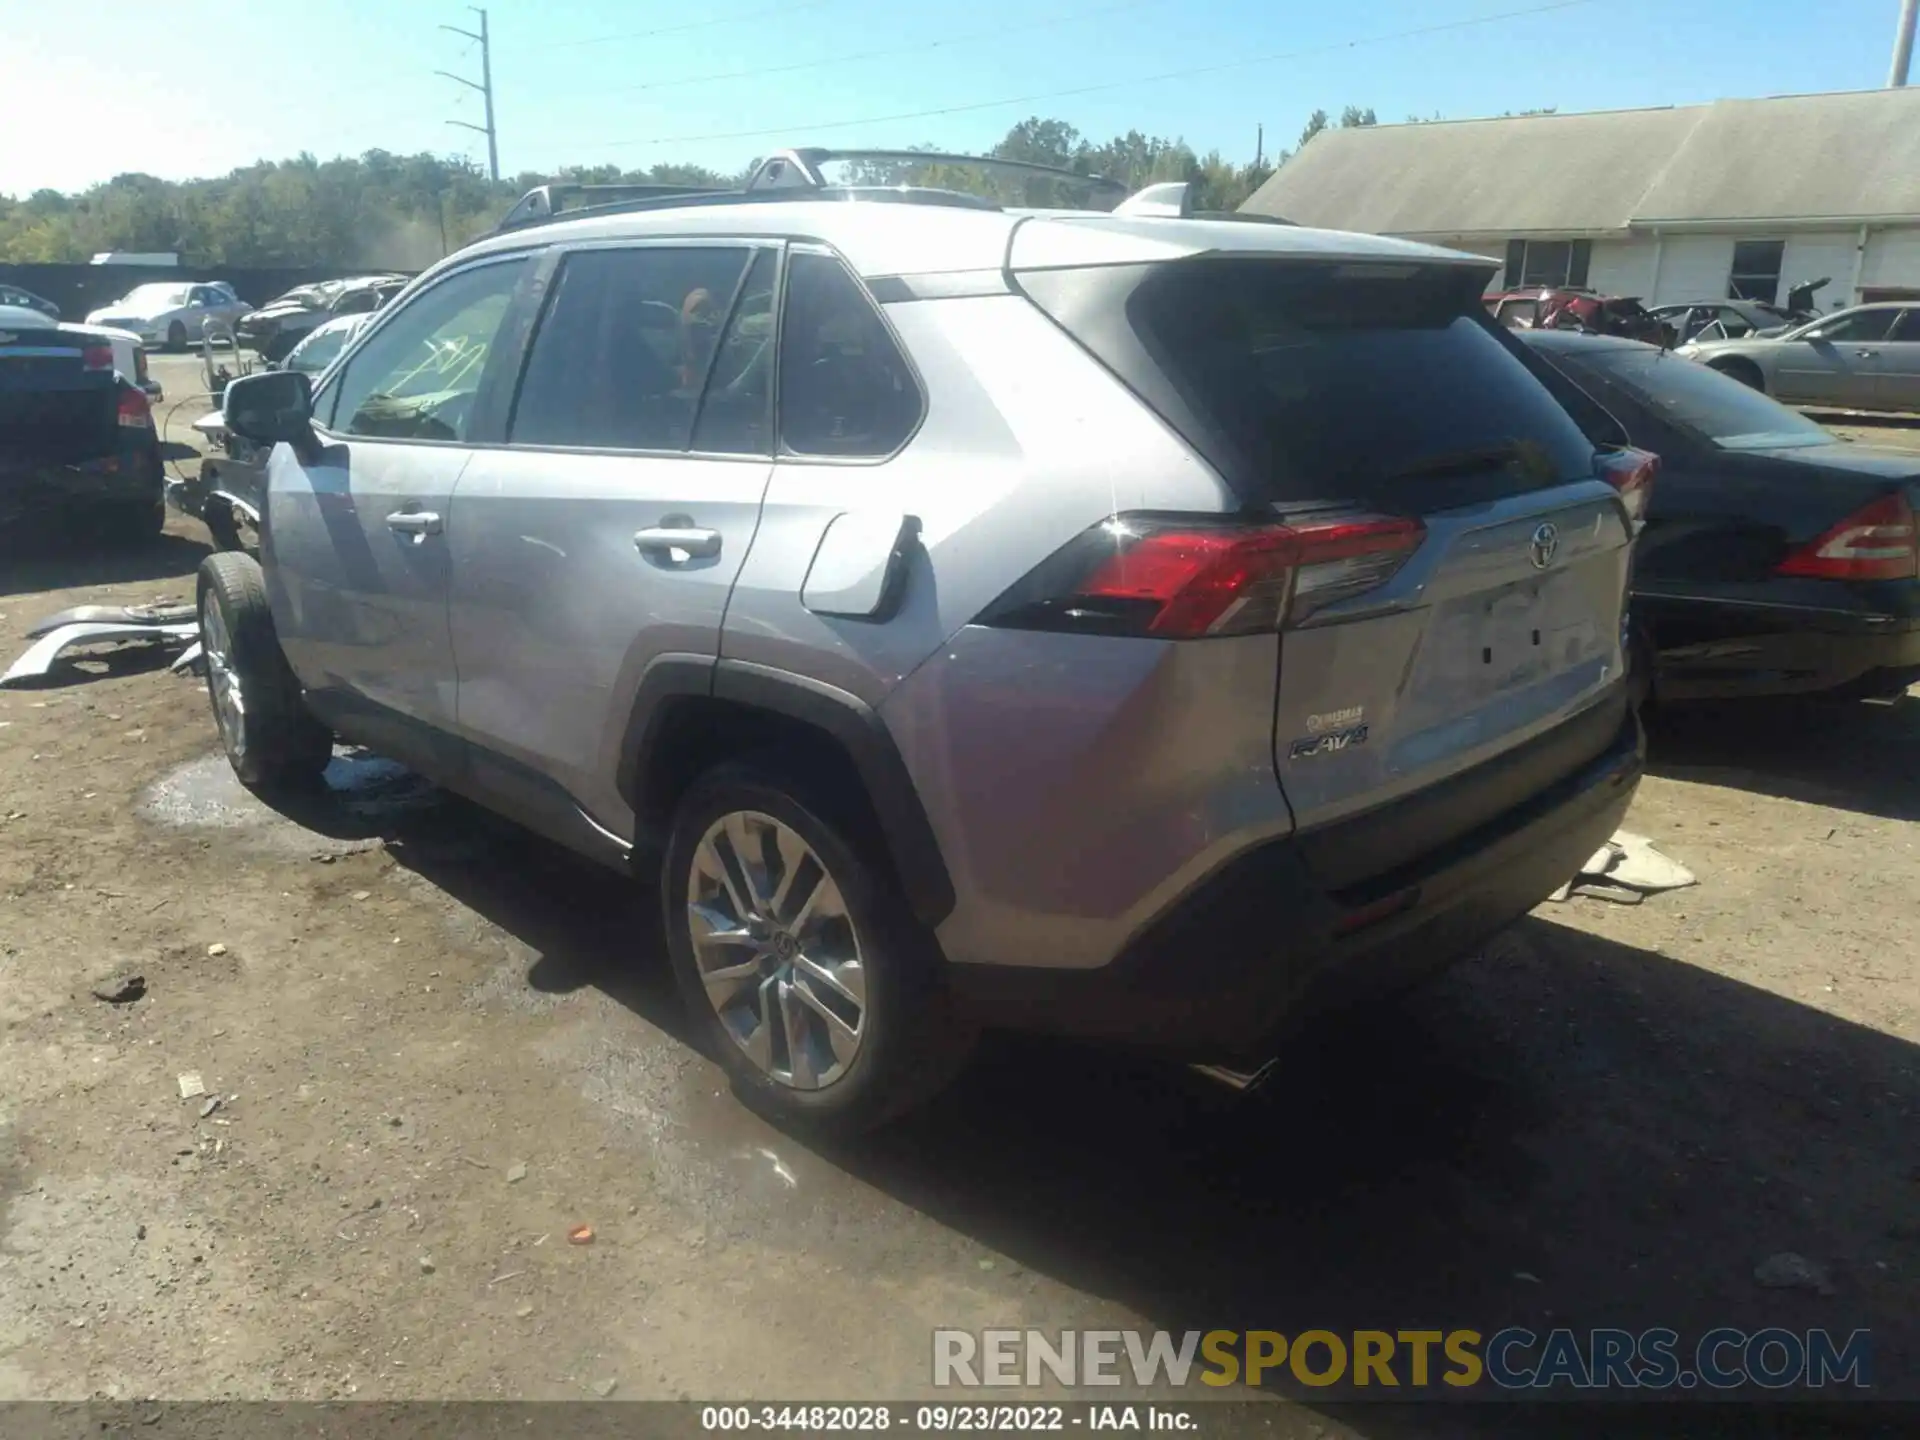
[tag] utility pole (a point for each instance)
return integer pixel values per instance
(1259, 144)
(485, 87)
(1903, 44)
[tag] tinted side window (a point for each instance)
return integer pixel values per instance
(736, 414)
(622, 353)
(417, 378)
(1907, 327)
(1867, 325)
(845, 389)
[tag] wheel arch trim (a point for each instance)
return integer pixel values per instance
(849, 722)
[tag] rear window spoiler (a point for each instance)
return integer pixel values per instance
(1173, 199)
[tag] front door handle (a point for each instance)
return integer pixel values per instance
(1865, 354)
(417, 523)
(692, 540)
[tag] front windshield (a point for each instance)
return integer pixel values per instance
(1731, 415)
(156, 295)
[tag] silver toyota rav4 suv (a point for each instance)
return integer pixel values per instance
(1120, 625)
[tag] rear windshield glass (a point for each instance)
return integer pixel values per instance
(1338, 381)
(1732, 415)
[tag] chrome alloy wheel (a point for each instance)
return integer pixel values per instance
(223, 680)
(776, 950)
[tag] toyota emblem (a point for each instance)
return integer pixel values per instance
(1545, 544)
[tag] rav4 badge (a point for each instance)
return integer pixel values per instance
(1310, 745)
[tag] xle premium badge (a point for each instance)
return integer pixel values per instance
(1330, 733)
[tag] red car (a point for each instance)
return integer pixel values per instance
(1565, 308)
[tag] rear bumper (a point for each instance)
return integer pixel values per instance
(35, 489)
(1265, 943)
(1711, 650)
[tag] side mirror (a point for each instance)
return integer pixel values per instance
(271, 406)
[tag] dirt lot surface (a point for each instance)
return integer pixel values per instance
(437, 1044)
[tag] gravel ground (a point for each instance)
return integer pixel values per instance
(1611, 1117)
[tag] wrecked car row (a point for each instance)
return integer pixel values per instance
(277, 327)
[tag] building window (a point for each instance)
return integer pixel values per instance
(1555, 263)
(1756, 270)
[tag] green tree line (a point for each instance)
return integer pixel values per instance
(380, 209)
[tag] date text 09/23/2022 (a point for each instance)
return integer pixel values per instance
(946, 1419)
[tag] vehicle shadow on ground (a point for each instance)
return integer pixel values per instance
(1862, 756)
(56, 560)
(1563, 1131)
(585, 924)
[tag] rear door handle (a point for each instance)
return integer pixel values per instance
(697, 543)
(1866, 354)
(417, 523)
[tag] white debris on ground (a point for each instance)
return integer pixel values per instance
(1626, 870)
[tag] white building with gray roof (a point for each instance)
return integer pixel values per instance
(1741, 198)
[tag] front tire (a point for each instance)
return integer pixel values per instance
(176, 337)
(271, 740)
(817, 990)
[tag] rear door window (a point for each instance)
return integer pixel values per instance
(845, 388)
(1332, 381)
(622, 353)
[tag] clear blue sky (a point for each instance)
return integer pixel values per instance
(197, 87)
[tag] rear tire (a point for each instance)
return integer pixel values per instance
(176, 337)
(1744, 371)
(133, 522)
(841, 1022)
(271, 740)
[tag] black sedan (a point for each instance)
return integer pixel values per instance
(77, 440)
(19, 299)
(1777, 558)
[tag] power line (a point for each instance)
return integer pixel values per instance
(767, 14)
(485, 87)
(999, 33)
(805, 129)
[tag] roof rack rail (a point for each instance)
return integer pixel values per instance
(553, 201)
(805, 168)
(801, 175)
